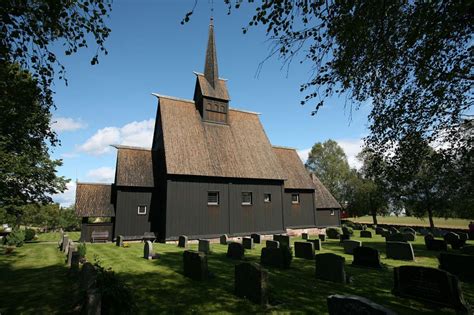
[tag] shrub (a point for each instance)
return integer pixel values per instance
(29, 235)
(349, 224)
(15, 238)
(81, 249)
(333, 232)
(347, 230)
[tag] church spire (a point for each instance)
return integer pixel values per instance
(210, 67)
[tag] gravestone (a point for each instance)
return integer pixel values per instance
(272, 244)
(183, 241)
(333, 233)
(459, 265)
(330, 267)
(66, 246)
(304, 236)
(454, 240)
(400, 251)
(256, 238)
(304, 250)
(385, 233)
(435, 244)
(60, 242)
(322, 237)
(349, 246)
(355, 305)
(393, 230)
(148, 250)
(346, 231)
(317, 244)
(276, 257)
(357, 226)
(247, 242)
(250, 282)
(204, 246)
(72, 249)
(223, 239)
(284, 240)
(409, 237)
(88, 276)
(366, 234)
(366, 257)
(379, 230)
(119, 241)
(75, 258)
(468, 250)
(407, 229)
(344, 237)
(93, 302)
(463, 236)
(65, 243)
(195, 265)
(396, 237)
(431, 285)
(235, 250)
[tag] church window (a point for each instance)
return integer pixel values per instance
(267, 197)
(246, 198)
(213, 198)
(295, 199)
(142, 210)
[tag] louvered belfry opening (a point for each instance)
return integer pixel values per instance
(210, 95)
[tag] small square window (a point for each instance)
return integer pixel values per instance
(246, 198)
(333, 212)
(267, 197)
(142, 210)
(295, 198)
(213, 198)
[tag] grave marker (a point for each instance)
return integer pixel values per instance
(284, 240)
(247, 242)
(195, 265)
(349, 246)
(459, 265)
(204, 246)
(148, 250)
(366, 257)
(272, 244)
(322, 237)
(366, 234)
(276, 257)
(317, 244)
(235, 250)
(119, 241)
(355, 305)
(256, 238)
(400, 251)
(330, 267)
(304, 250)
(250, 282)
(183, 241)
(223, 239)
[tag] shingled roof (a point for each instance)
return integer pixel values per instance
(94, 200)
(239, 149)
(297, 176)
(323, 198)
(134, 167)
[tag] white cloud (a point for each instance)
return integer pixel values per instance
(137, 133)
(69, 155)
(101, 175)
(68, 197)
(351, 147)
(60, 124)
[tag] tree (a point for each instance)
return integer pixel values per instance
(411, 60)
(27, 174)
(328, 162)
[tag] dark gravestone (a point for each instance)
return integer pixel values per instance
(346, 231)
(379, 230)
(429, 284)
(409, 237)
(317, 244)
(333, 233)
(385, 233)
(75, 261)
(88, 277)
(304, 250)
(396, 237)
(355, 305)
(357, 226)
(256, 238)
(272, 244)
(93, 302)
(60, 242)
(276, 257)
(250, 282)
(393, 230)
(247, 242)
(400, 251)
(468, 250)
(435, 244)
(183, 241)
(65, 243)
(366, 234)
(195, 265)
(407, 229)
(304, 236)
(463, 236)
(344, 237)
(349, 246)
(148, 250)
(284, 240)
(366, 257)
(119, 241)
(454, 240)
(330, 267)
(322, 237)
(223, 239)
(204, 246)
(459, 265)
(72, 249)
(235, 250)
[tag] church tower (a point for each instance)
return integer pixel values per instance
(210, 95)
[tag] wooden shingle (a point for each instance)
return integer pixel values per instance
(94, 200)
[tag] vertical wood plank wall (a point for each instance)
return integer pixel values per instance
(127, 220)
(300, 215)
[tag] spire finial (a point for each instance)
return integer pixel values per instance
(210, 67)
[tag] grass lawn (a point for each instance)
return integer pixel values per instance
(439, 222)
(55, 236)
(34, 280)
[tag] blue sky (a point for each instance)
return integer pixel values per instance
(151, 52)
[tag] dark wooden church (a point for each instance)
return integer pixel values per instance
(211, 171)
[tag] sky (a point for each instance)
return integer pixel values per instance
(151, 52)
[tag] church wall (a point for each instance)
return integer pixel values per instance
(299, 215)
(127, 220)
(324, 218)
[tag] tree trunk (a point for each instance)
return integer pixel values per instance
(430, 217)
(374, 217)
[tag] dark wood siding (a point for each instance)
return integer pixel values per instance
(324, 218)
(299, 215)
(188, 212)
(88, 228)
(127, 220)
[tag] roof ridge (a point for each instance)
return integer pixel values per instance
(118, 146)
(202, 74)
(172, 98)
(244, 111)
(90, 183)
(283, 147)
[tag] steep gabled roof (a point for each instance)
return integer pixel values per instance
(239, 149)
(295, 172)
(94, 200)
(323, 198)
(134, 167)
(219, 91)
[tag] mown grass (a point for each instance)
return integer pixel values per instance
(54, 236)
(35, 280)
(439, 222)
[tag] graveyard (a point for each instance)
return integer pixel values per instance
(35, 278)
